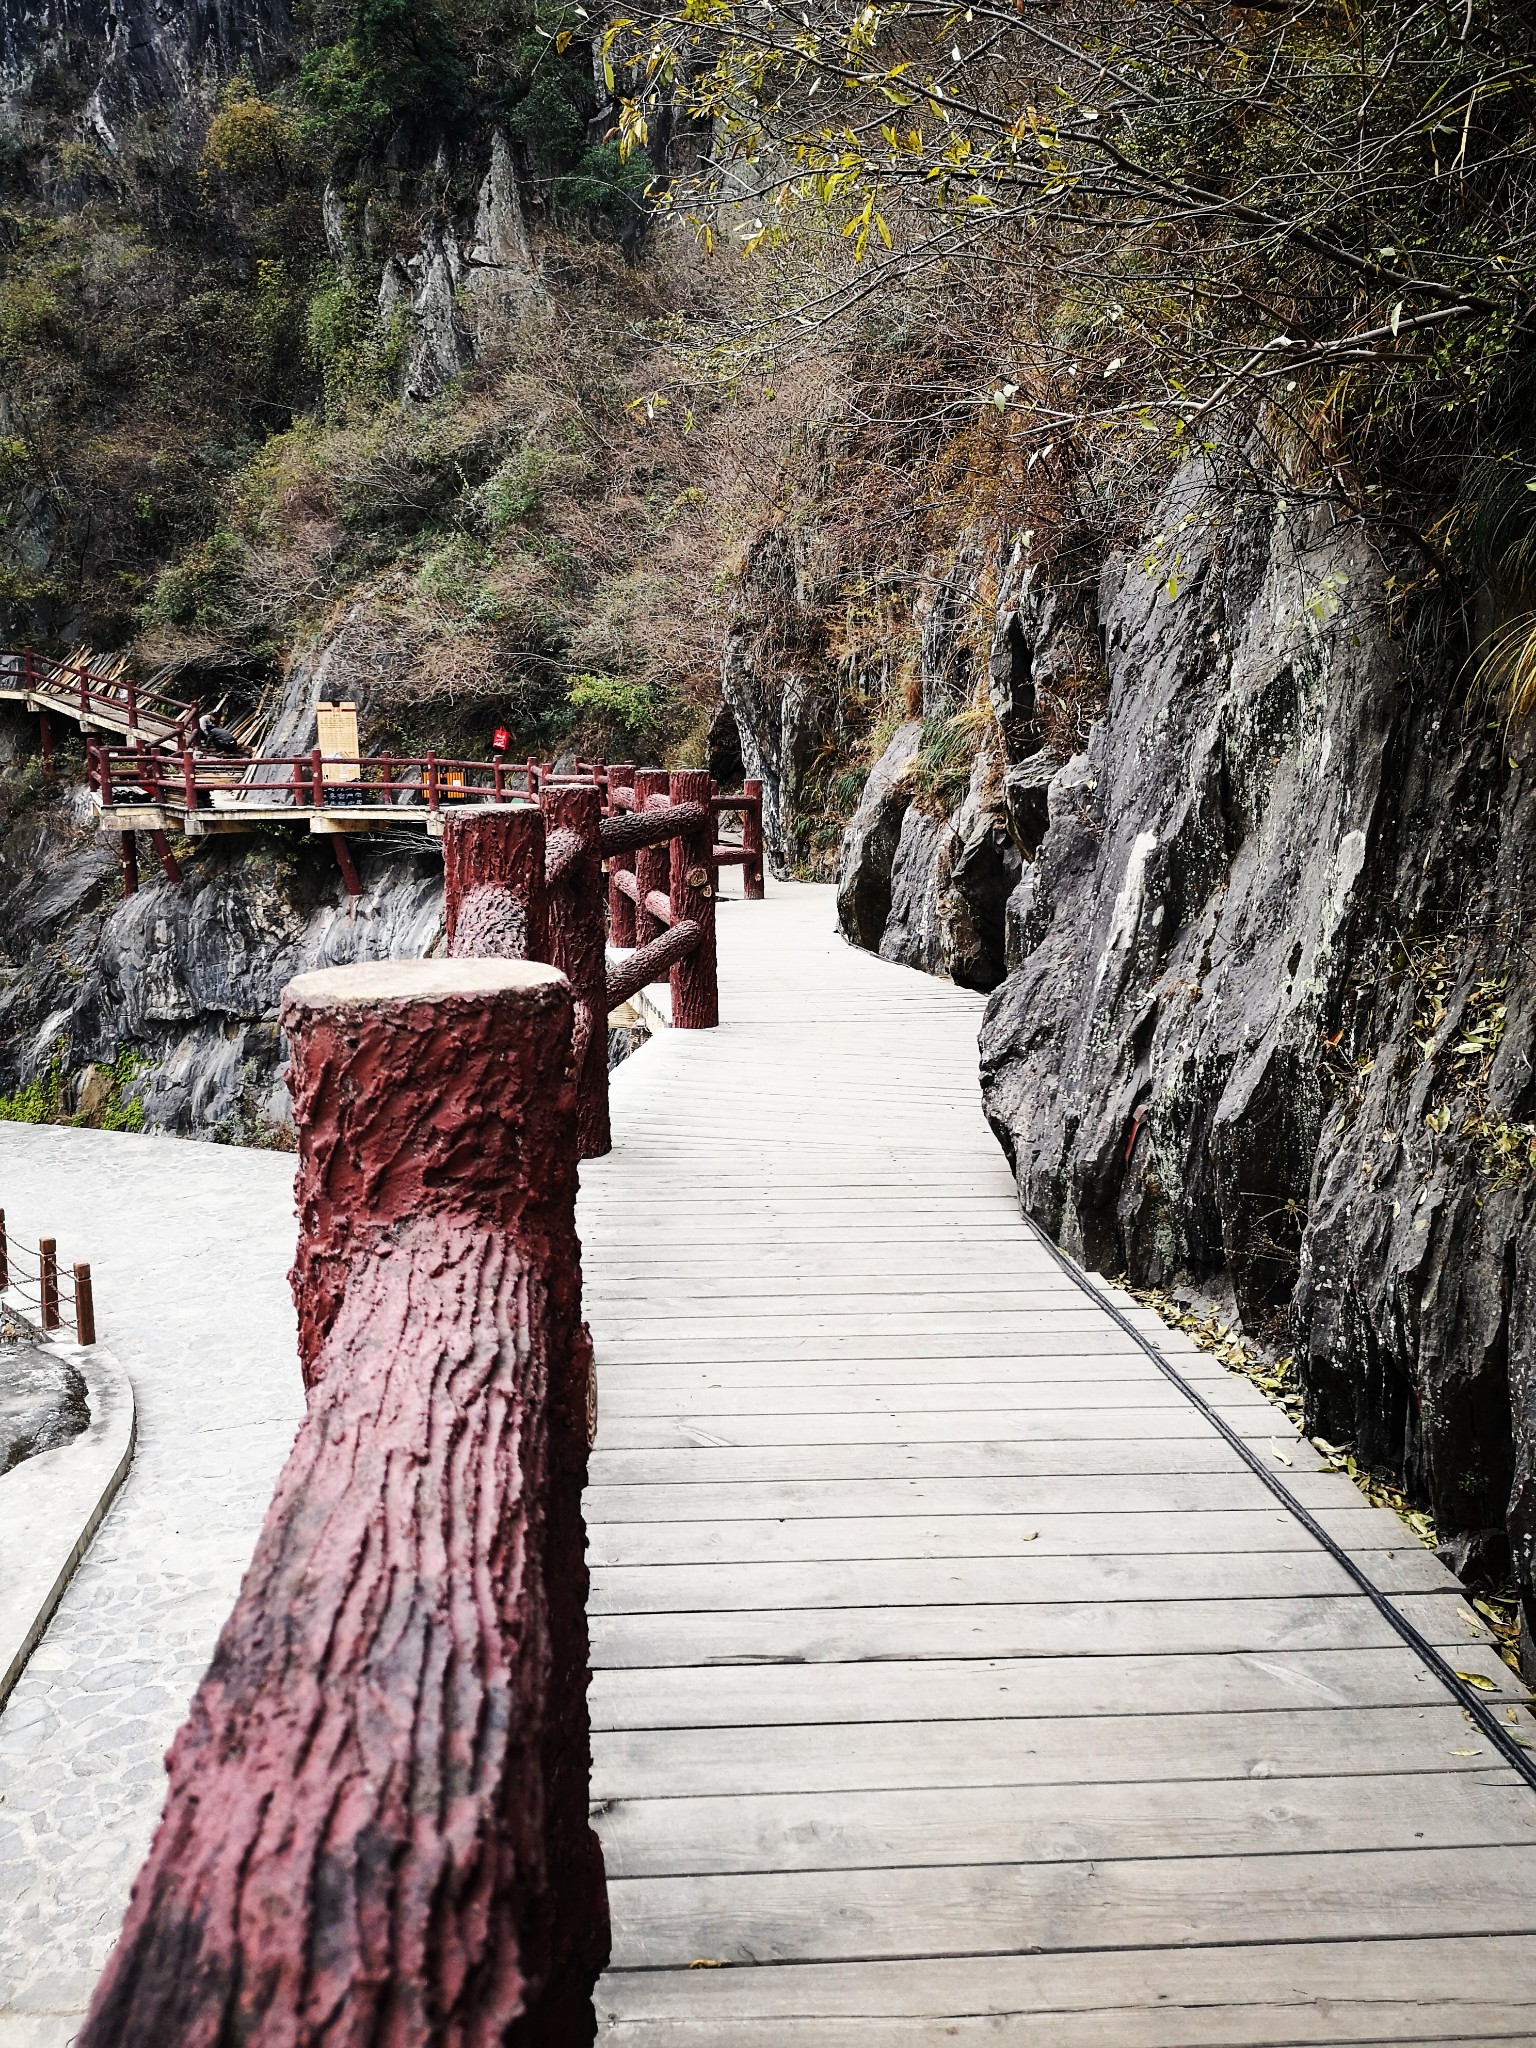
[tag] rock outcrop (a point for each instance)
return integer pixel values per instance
(770, 680)
(131, 58)
(1270, 1020)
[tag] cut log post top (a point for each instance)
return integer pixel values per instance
(389, 1121)
(494, 890)
(376, 1832)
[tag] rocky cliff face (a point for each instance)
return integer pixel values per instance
(129, 58)
(1268, 1021)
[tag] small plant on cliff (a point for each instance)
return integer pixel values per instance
(626, 710)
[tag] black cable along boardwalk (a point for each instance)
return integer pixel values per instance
(1513, 1751)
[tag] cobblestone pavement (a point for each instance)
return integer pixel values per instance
(189, 1247)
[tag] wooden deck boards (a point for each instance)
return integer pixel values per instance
(954, 1682)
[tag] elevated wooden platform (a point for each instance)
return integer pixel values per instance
(954, 1679)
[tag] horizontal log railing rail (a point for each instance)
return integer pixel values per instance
(376, 1825)
(53, 1297)
(97, 700)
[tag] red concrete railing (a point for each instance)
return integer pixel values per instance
(128, 777)
(58, 1299)
(526, 884)
(376, 1826)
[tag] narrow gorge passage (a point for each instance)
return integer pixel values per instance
(952, 1678)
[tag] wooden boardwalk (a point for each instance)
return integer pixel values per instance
(954, 1679)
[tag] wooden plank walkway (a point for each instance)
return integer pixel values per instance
(953, 1680)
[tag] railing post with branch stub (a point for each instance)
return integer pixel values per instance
(574, 872)
(653, 863)
(621, 908)
(376, 1828)
(752, 839)
(494, 896)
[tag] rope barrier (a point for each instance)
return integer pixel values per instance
(60, 1295)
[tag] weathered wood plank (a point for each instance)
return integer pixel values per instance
(922, 1583)
(774, 1539)
(1228, 1817)
(1088, 1630)
(741, 1695)
(1119, 1749)
(1003, 1908)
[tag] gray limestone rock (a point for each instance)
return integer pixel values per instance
(501, 284)
(869, 844)
(911, 934)
(1270, 1016)
(769, 680)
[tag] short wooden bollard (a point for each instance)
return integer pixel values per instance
(695, 987)
(48, 1282)
(376, 1830)
(494, 899)
(85, 1306)
(572, 815)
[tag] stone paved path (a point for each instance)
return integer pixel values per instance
(189, 1245)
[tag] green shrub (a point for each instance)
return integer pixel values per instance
(626, 709)
(605, 189)
(198, 589)
(400, 61)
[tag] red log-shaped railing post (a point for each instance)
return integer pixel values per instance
(494, 898)
(316, 777)
(576, 947)
(376, 1826)
(48, 1282)
(752, 839)
(695, 992)
(188, 780)
(621, 911)
(653, 864)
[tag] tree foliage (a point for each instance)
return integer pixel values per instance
(1311, 218)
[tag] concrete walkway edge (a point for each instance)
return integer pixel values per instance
(52, 1505)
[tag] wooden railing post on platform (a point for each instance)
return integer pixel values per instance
(85, 1305)
(695, 989)
(376, 1827)
(577, 946)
